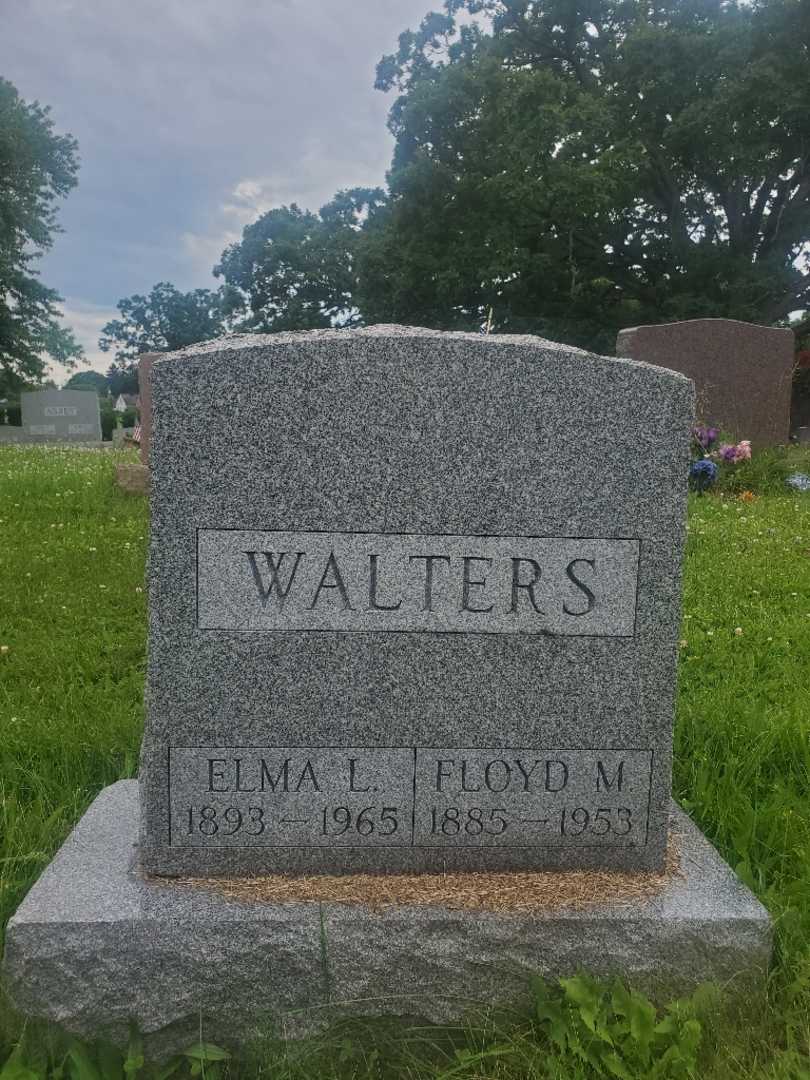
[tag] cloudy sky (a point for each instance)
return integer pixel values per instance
(193, 117)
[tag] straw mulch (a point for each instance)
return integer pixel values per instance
(502, 892)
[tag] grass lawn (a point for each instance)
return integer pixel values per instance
(72, 641)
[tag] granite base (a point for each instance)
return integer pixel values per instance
(95, 946)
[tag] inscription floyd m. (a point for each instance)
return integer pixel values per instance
(275, 580)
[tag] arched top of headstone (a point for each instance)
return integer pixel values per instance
(742, 371)
(247, 344)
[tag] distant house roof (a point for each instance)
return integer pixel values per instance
(126, 401)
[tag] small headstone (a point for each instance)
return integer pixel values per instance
(61, 416)
(742, 372)
(415, 605)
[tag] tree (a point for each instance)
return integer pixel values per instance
(122, 378)
(37, 168)
(295, 270)
(88, 380)
(163, 321)
(582, 166)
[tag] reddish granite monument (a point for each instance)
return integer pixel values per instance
(742, 372)
(135, 478)
(145, 363)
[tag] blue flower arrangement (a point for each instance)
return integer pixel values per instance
(703, 474)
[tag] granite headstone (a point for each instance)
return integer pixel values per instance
(61, 416)
(742, 372)
(414, 605)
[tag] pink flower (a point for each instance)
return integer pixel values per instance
(727, 452)
(743, 450)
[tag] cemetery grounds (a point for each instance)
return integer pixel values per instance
(72, 644)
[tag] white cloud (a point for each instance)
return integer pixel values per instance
(85, 320)
(311, 181)
(193, 118)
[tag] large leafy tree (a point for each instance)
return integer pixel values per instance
(296, 270)
(163, 321)
(88, 380)
(579, 165)
(37, 168)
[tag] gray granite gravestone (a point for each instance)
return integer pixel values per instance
(414, 601)
(61, 416)
(414, 605)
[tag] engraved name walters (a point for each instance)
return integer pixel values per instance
(250, 580)
(275, 581)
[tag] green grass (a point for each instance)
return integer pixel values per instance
(72, 617)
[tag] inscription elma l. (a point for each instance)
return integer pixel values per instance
(251, 580)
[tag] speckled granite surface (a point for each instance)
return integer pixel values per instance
(742, 372)
(93, 946)
(547, 488)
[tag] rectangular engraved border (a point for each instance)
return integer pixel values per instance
(382, 532)
(412, 846)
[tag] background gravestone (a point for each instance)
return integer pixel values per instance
(414, 601)
(145, 362)
(742, 372)
(61, 416)
(134, 477)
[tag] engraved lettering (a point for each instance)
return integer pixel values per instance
(528, 586)
(441, 774)
(246, 790)
(429, 560)
(506, 775)
(352, 768)
(276, 584)
(372, 589)
(309, 775)
(338, 583)
(265, 581)
(412, 796)
(526, 775)
(216, 774)
(580, 585)
(464, 779)
(281, 781)
(602, 777)
(562, 775)
(467, 583)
